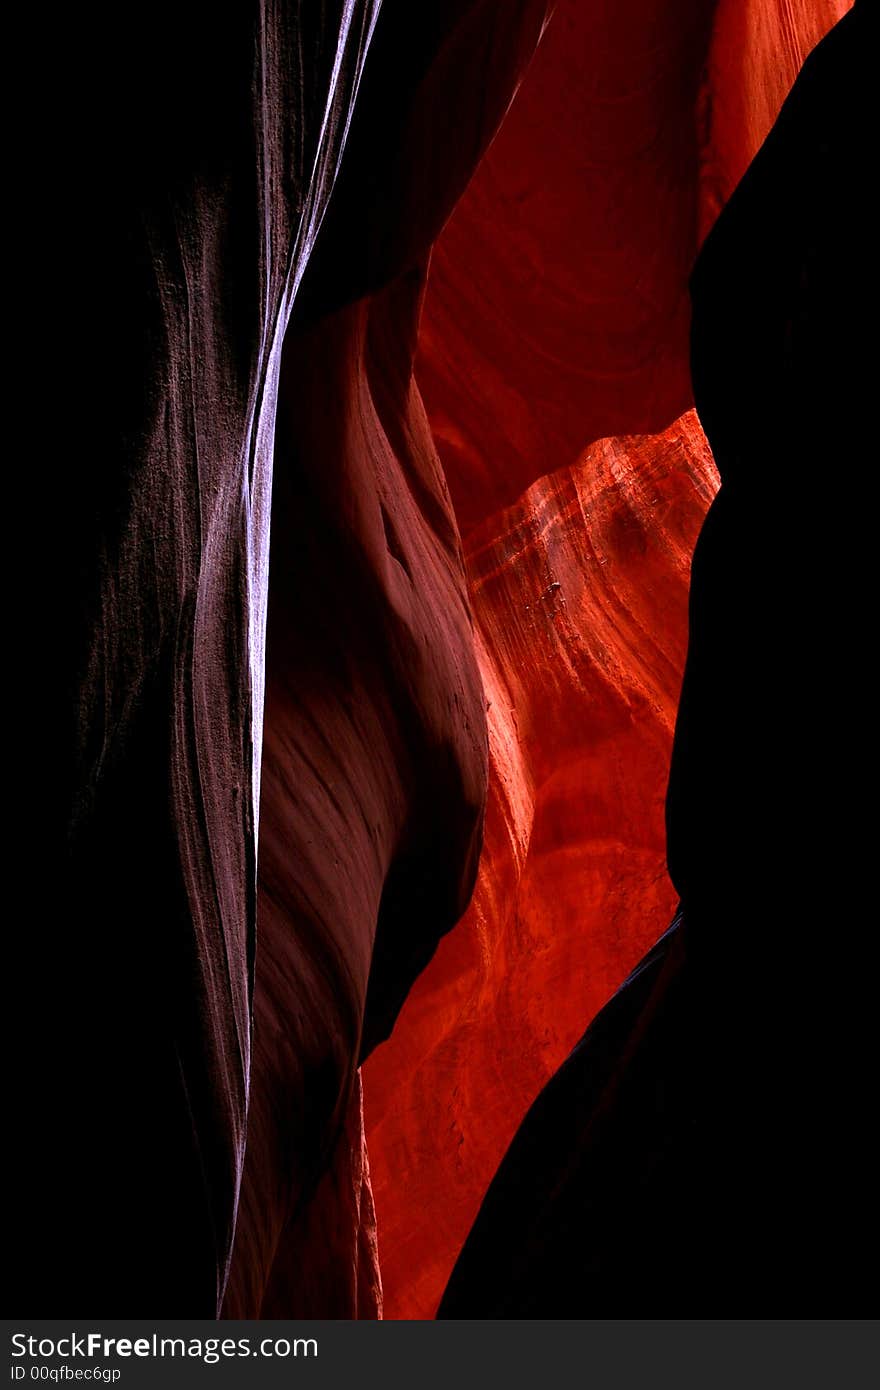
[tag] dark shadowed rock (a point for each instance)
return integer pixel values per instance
(705, 1148)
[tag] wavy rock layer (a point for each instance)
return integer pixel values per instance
(589, 572)
(170, 212)
(375, 749)
(178, 202)
(557, 310)
(757, 49)
(173, 213)
(374, 764)
(707, 1144)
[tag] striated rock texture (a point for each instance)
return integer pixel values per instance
(555, 311)
(706, 1146)
(182, 164)
(374, 766)
(188, 1037)
(580, 599)
(756, 51)
(194, 176)
(375, 749)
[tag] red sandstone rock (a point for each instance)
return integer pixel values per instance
(580, 599)
(374, 757)
(374, 735)
(557, 307)
(374, 763)
(197, 171)
(756, 52)
(707, 1143)
(557, 311)
(326, 1261)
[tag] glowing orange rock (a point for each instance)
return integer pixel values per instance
(756, 52)
(557, 313)
(580, 598)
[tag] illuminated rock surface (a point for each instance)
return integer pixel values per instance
(170, 1009)
(375, 753)
(707, 1144)
(557, 310)
(580, 599)
(174, 191)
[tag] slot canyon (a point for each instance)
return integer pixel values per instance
(450, 871)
